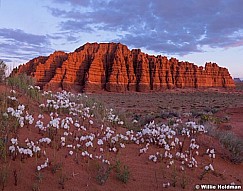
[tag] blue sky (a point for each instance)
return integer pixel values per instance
(197, 31)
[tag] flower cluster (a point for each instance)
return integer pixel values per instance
(18, 114)
(209, 167)
(114, 118)
(43, 165)
(77, 131)
(13, 98)
(27, 151)
(211, 153)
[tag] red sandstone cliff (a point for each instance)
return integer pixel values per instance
(113, 67)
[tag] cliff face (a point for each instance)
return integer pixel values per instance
(113, 67)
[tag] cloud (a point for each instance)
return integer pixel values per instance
(6, 60)
(25, 45)
(169, 26)
(20, 36)
(74, 2)
(80, 26)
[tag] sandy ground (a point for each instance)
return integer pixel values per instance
(145, 175)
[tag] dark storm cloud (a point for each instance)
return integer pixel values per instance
(169, 26)
(18, 42)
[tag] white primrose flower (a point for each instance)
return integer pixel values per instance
(211, 167)
(30, 152)
(12, 98)
(76, 124)
(172, 144)
(100, 142)
(63, 139)
(12, 148)
(45, 140)
(167, 147)
(83, 153)
(14, 141)
(36, 149)
(153, 158)
(43, 165)
(211, 153)
(65, 133)
(42, 105)
(83, 128)
(38, 168)
(91, 122)
(165, 185)
(206, 168)
(21, 107)
(66, 126)
(13, 91)
(122, 145)
(171, 162)
(90, 156)
(106, 161)
(10, 110)
(89, 144)
(120, 123)
(143, 150)
(134, 121)
(37, 87)
(30, 87)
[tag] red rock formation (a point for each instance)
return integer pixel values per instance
(113, 67)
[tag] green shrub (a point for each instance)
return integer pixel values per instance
(122, 172)
(103, 173)
(62, 181)
(25, 84)
(3, 68)
(2, 148)
(56, 167)
(3, 177)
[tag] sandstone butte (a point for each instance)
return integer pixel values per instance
(113, 67)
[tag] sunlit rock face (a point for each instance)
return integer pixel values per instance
(113, 67)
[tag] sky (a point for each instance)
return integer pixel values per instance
(197, 31)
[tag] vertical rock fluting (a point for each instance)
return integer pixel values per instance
(113, 67)
(45, 71)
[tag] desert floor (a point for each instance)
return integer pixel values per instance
(219, 111)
